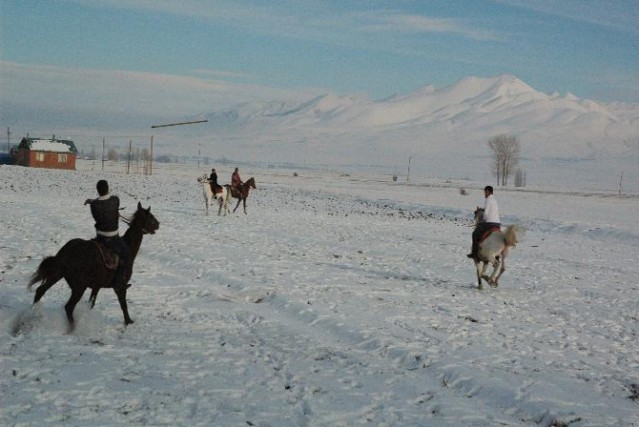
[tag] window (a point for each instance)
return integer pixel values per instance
(62, 158)
(39, 157)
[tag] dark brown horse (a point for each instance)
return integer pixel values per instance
(81, 264)
(242, 192)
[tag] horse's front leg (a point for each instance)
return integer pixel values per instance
(238, 205)
(121, 293)
(94, 295)
(244, 204)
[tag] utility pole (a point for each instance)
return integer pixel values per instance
(128, 163)
(408, 174)
(151, 165)
(8, 140)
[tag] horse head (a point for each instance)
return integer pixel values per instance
(203, 179)
(251, 182)
(144, 219)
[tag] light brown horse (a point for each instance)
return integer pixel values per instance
(241, 192)
(81, 264)
(493, 250)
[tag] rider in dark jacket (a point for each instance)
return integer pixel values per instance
(106, 213)
(215, 187)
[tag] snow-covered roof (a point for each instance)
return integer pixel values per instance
(53, 145)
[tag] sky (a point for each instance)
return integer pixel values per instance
(167, 58)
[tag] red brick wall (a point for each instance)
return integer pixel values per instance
(44, 159)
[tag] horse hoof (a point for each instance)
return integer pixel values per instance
(128, 322)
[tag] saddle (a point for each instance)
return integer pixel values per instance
(109, 258)
(487, 233)
(217, 189)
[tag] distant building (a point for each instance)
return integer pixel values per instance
(45, 153)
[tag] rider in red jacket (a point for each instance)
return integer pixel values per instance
(236, 181)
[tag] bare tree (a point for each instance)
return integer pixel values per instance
(505, 156)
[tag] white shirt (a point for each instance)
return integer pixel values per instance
(491, 210)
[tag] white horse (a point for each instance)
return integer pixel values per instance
(493, 250)
(223, 198)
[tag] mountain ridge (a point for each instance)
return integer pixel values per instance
(449, 126)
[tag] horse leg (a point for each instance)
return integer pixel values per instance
(483, 272)
(76, 295)
(478, 267)
(238, 204)
(94, 295)
(496, 272)
(501, 271)
(244, 204)
(121, 293)
(226, 206)
(45, 286)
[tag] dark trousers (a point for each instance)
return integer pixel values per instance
(479, 231)
(117, 245)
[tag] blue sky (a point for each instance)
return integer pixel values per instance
(587, 47)
(84, 69)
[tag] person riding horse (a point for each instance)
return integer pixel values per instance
(215, 187)
(106, 213)
(491, 220)
(236, 181)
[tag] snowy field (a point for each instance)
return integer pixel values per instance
(338, 300)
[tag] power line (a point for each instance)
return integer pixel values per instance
(178, 124)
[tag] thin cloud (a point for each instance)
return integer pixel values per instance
(222, 74)
(621, 15)
(308, 20)
(54, 87)
(422, 24)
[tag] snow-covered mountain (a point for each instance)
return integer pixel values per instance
(444, 129)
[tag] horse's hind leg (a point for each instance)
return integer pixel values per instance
(501, 271)
(238, 205)
(44, 287)
(497, 270)
(244, 205)
(76, 295)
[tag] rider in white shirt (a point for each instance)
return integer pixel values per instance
(491, 220)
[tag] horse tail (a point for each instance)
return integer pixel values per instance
(49, 270)
(511, 235)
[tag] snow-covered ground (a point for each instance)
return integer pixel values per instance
(337, 300)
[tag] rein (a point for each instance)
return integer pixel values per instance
(128, 222)
(125, 219)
